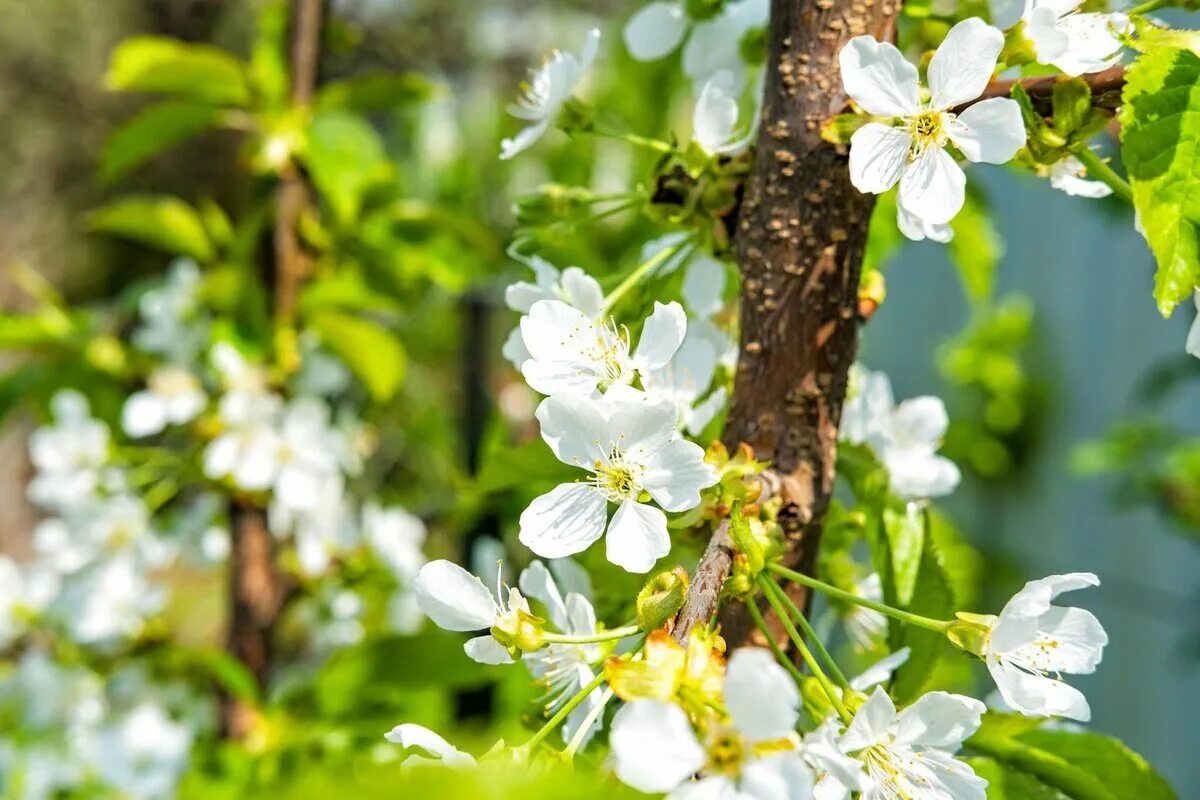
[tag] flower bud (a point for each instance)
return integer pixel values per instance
(553, 202)
(520, 632)
(971, 631)
(661, 598)
(749, 538)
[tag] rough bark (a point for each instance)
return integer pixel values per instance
(257, 587)
(801, 234)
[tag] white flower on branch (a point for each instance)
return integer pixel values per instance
(456, 600)
(629, 445)
(910, 754)
(714, 44)
(913, 152)
(571, 353)
(172, 396)
(1065, 37)
(433, 749)
(715, 118)
(752, 756)
(1070, 175)
(548, 89)
(1032, 639)
(69, 456)
(572, 286)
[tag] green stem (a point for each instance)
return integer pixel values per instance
(656, 145)
(600, 636)
(818, 645)
(642, 270)
(581, 734)
(937, 625)
(1151, 5)
(770, 589)
(562, 713)
(1099, 169)
(780, 656)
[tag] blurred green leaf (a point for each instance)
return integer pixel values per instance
(160, 221)
(155, 129)
(162, 65)
(344, 156)
(371, 352)
(504, 467)
(269, 70)
(932, 597)
(1007, 783)
(378, 92)
(906, 539)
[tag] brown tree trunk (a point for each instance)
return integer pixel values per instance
(800, 242)
(257, 587)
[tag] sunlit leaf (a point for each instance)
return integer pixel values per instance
(159, 221)
(168, 66)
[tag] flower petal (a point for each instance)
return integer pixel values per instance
(939, 720)
(409, 735)
(537, 582)
(778, 777)
(654, 747)
(933, 187)
(637, 537)
(990, 131)
(1079, 640)
(703, 287)
(583, 292)
(676, 473)
(871, 722)
(716, 114)
(661, 336)
(524, 139)
(144, 414)
(878, 156)
(881, 670)
(760, 696)
(574, 428)
(564, 521)
(638, 425)
(1091, 43)
(964, 63)
(453, 598)
(1042, 30)
(917, 229)
(486, 650)
(879, 78)
(655, 31)
(1037, 695)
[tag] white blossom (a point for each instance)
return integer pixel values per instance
(629, 445)
(69, 455)
(550, 86)
(713, 45)
(1070, 175)
(913, 153)
(686, 379)
(456, 600)
(1065, 37)
(572, 286)
(571, 353)
(143, 753)
(910, 755)
(396, 537)
(433, 748)
(172, 396)
(754, 756)
(169, 327)
(715, 118)
(109, 601)
(1032, 640)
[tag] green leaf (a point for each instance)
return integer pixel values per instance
(932, 597)
(1160, 128)
(504, 467)
(268, 58)
(1007, 783)
(162, 65)
(906, 541)
(1072, 105)
(371, 352)
(160, 221)
(378, 92)
(344, 156)
(155, 129)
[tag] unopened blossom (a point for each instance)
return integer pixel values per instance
(909, 755)
(905, 437)
(1070, 175)
(548, 89)
(1033, 642)
(910, 149)
(685, 380)
(713, 44)
(571, 353)
(1063, 35)
(432, 748)
(456, 600)
(69, 456)
(628, 444)
(173, 396)
(572, 286)
(754, 755)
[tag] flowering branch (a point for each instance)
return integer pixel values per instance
(1106, 88)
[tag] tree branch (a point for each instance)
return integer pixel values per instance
(1106, 89)
(800, 239)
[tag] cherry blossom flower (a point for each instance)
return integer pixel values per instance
(1032, 638)
(572, 286)
(433, 748)
(910, 755)
(686, 379)
(913, 153)
(753, 756)
(169, 326)
(571, 353)
(396, 536)
(173, 396)
(713, 45)
(69, 456)
(456, 600)
(1070, 175)
(918, 229)
(144, 752)
(1065, 37)
(715, 118)
(549, 88)
(628, 443)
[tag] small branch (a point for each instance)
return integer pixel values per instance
(1100, 170)
(704, 591)
(1106, 89)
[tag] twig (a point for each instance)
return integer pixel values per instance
(1106, 89)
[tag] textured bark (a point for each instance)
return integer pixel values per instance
(800, 239)
(1106, 89)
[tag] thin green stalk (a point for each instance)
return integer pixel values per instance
(937, 625)
(769, 589)
(818, 645)
(581, 734)
(643, 269)
(657, 145)
(780, 656)
(562, 713)
(1099, 169)
(1151, 5)
(592, 638)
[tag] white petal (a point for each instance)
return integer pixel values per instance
(661, 336)
(584, 710)
(964, 63)
(580, 616)
(871, 723)
(486, 650)
(1070, 582)
(878, 156)
(1091, 44)
(571, 577)
(1079, 640)
(879, 78)
(918, 474)
(587, 53)
(1006, 13)
(676, 473)
(1069, 175)
(564, 521)
(583, 292)
(514, 350)
(939, 720)
(990, 131)
(760, 696)
(653, 746)
(1041, 28)
(638, 425)
(454, 598)
(917, 229)
(716, 114)
(933, 187)
(522, 295)
(880, 671)
(421, 738)
(1037, 695)
(524, 139)
(921, 420)
(956, 777)
(575, 429)
(537, 582)
(555, 331)
(704, 285)
(779, 777)
(144, 414)
(637, 537)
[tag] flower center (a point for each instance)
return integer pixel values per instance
(616, 480)
(928, 129)
(898, 772)
(611, 353)
(726, 752)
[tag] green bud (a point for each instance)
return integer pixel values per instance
(971, 632)
(520, 631)
(661, 598)
(553, 202)
(749, 539)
